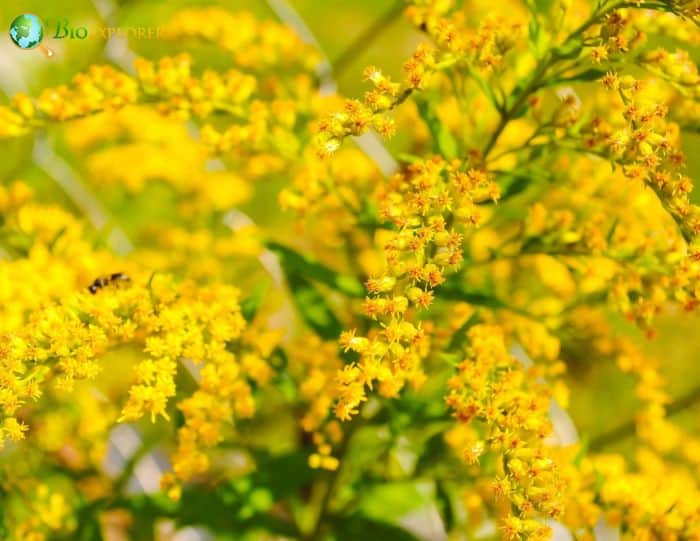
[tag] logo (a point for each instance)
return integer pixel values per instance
(65, 30)
(27, 31)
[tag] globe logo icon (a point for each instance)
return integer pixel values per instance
(27, 31)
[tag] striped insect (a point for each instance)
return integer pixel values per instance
(104, 281)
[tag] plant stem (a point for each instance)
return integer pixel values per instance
(360, 43)
(506, 116)
(317, 532)
(629, 428)
(548, 61)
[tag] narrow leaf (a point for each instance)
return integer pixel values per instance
(444, 142)
(354, 527)
(569, 50)
(295, 263)
(251, 304)
(313, 308)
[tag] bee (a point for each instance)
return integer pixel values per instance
(103, 281)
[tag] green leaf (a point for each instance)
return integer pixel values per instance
(367, 445)
(592, 74)
(537, 39)
(613, 228)
(295, 263)
(355, 527)
(536, 152)
(544, 6)
(380, 508)
(444, 142)
(240, 505)
(151, 295)
(434, 452)
(517, 184)
(406, 157)
(89, 528)
(368, 217)
(582, 452)
(460, 335)
(142, 527)
(56, 238)
(533, 31)
(313, 308)
(388, 502)
(569, 50)
(251, 304)
(532, 245)
(445, 505)
(486, 88)
(515, 97)
(472, 297)
(284, 474)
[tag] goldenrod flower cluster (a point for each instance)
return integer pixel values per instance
(256, 45)
(492, 389)
(63, 343)
(424, 248)
(358, 118)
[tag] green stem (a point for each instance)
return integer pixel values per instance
(629, 429)
(507, 115)
(318, 530)
(360, 43)
(545, 63)
(538, 132)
